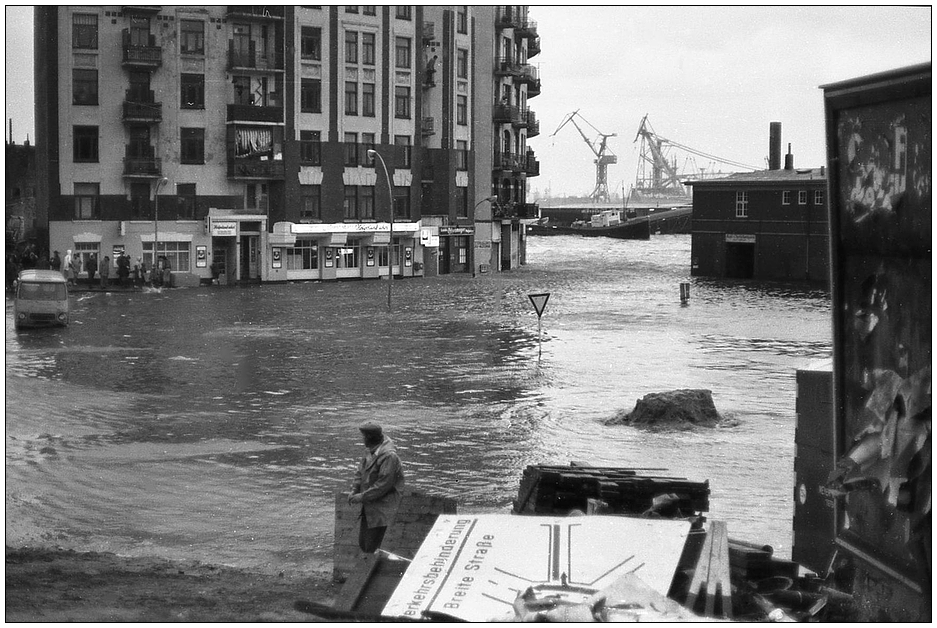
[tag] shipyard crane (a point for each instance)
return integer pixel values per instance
(603, 155)
(657, 175)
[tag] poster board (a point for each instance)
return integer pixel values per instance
(879, 151)
(473, 567)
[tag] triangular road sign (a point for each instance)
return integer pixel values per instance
(539, 301)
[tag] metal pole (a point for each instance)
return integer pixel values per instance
(390, 248)
(156, 223)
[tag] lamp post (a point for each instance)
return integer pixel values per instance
(390, 247)
(156, 223)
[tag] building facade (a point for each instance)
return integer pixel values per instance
(240, 138)
(770, 224)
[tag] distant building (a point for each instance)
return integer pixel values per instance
(246, 129)
(20, 195)
(770, 224)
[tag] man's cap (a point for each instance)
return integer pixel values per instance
(371, 428)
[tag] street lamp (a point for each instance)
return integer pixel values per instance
(156, 224)
(390, 247)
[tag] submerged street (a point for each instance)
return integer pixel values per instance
(217, 423)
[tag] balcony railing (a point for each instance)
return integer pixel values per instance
(142, 108)
(533, 88)
(428, 126)
(532, 165)
(507, 17)
(529, 73)
(254, 113)
(254, 168)
(505, 113)
(267, 12)
(143, 167)
(507, 66)
(145, 56)
(253, 60)
(526, 28)
(520, 120)
(506, 161)
(533, 125)
(533, 46)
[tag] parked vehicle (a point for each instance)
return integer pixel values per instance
(41, 299)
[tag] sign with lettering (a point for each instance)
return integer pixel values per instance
(224, 227)
(472, 567)
(740, 238)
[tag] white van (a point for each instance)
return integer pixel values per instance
(41, 299)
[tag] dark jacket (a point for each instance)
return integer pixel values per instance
(379, 479)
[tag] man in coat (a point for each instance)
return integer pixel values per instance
(377, 486)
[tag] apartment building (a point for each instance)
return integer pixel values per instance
(271, 142)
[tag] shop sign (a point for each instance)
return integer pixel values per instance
(740, 238)
(224, 227)
(429, 236)
(456, 231)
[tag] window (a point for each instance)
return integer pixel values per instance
(310, 96)
(401, 202)
(461, 202)
(304, 255)
(351, 149)
(192, 150)
(403, 52)
(369, 9)
(84, 87)
(87, 196)
(176, 253)
(140, 205)
(85, 31)
(310, 207)
(257, 196)
(351, 47)
(310, 147)
(139, 31)
(403, 152)
(351, 201)
(402, 102)
(242, 90)
(461, 155)
(85, 144)
(462, 110)
(802, 197)
(786, 197)
(367, 48)
(310, 44)
(462, 63)
(818, 197)
(193, 91)
(366, 202)
(367, 100)
(347, 257)
(351, 9)
(192, 37)
(403, 12)
(367, 143)
(461, 17)
(741, 204)
(185, 192)
(351, 98)
(84, 251)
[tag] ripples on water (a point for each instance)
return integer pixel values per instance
(216, 424)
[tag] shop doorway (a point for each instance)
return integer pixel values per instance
(740, 261)
(250, 262)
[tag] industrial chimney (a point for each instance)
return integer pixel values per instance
(774, 146)
(789, 159)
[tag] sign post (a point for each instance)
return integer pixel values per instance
(539, 302)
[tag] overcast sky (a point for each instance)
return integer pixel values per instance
(711, 78)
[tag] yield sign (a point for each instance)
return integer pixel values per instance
(539, 301)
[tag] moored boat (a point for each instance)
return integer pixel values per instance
(607, 223)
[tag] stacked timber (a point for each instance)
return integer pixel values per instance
(559, 490)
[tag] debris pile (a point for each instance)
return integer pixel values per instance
(675, 409)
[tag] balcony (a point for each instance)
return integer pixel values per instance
(428, 126)
(533, 125)
(254, 113)
(532, 165)
(506, 162)
(429, 31)
(242, 168)
(247, 12)
(141, 56)
(143, 167)
(507, 17)
(520, 121)
(526, 28)
(507, 66)
(142, 108)
(533, 88)
(533, 46)
(528, 210)
(505, 114)
(242, 60)
(529, 73)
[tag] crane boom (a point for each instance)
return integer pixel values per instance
(599, 148)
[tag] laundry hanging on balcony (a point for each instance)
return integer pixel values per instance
(251, 142)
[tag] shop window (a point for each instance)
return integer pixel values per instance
(304, 255)
(177, 254)
(347, 257)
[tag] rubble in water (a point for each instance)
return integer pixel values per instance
(676, 409)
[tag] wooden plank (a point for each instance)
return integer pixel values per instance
(712, 576)
(351, 591)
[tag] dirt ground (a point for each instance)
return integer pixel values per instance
(57, 585)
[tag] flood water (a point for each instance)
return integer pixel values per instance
(216, 424)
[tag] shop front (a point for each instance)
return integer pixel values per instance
(237, 244)
(456, 248)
